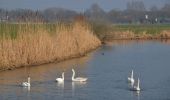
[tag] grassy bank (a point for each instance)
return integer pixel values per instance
(33, 44)
(143, 31)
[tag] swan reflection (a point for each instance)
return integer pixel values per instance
(60, 85)
(76, 85)
(138, 95)
(26, 88)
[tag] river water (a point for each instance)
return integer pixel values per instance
(107, 69)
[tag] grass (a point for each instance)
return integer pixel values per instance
(32, 44)
(129, 31)
(138, 29)
(9, 29)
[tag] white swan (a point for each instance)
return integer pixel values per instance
(78, 79)
(131, 79)
(26, 84)
(137, 88)
(60, 80)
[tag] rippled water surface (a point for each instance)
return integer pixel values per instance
(107, 70)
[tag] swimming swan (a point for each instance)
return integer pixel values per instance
(26, 84)
(137, 88)
(78, 79)
(131, 79)
(60, 79)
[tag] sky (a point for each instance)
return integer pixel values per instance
(77, 5)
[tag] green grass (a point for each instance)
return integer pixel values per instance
(103, 30)
(138, 29)
(8, 30)
(12, 30)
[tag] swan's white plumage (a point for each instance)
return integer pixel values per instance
(26, 84)
(131, 79)
(60, 79)
(137, 88)
(77, 79)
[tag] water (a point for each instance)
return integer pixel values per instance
(107, 70)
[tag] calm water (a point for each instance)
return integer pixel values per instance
(107, 70)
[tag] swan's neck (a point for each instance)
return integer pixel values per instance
(132, 74)
(73, 75)
(28, 79)
(63, 76)
(138, 83)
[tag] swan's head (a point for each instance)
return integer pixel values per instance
(29, 79)
(72, 69)
(62, 73)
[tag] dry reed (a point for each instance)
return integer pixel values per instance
(38, 46)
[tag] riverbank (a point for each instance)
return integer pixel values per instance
(35, 44)
(129, 35)
(106, 31)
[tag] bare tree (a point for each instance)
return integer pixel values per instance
(154, 8)
(96, 13)
(136, 5)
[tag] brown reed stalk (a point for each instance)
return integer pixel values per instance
(35, 45)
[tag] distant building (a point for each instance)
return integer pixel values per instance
(146, 17)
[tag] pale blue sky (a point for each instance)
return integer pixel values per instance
(78, 5)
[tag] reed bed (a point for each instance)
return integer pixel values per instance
(34, 44)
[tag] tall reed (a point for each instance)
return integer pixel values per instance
(33, 44)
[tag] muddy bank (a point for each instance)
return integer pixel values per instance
(40, 47)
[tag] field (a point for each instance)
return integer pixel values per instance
(138, 29)
(131, 31)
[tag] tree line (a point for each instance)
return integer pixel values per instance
(135, 12)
